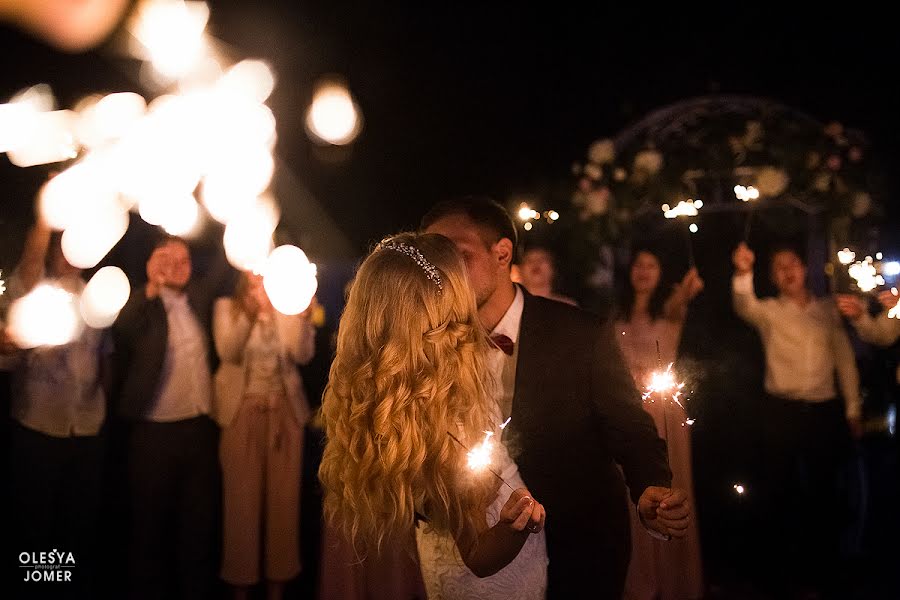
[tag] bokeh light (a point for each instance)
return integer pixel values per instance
(289, 280)
(104, 296)
(46, 316)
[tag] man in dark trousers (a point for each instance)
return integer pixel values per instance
(575, 412)
(164, 393)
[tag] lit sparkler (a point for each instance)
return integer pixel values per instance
(747, 194)
(685, 208)
(866, 275)
(846, 256)
(479, 457)
(663, 385)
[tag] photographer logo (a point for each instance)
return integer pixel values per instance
(40, 567)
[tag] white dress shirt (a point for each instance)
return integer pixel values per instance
(185, 385)
(503, 366)
(804, 346)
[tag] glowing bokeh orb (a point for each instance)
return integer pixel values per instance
(289, 280)
(333, 116)
(104, 296)
(47, 316)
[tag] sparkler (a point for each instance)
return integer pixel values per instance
(662, 382)
(865, 274)
(480, 456)
(685, 208)
(747, 194)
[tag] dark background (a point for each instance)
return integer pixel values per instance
(462, 98)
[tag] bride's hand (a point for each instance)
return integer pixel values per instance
(523, 513)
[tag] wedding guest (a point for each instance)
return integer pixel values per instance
(165, 394)
(260, 404)
(651, 318)
(407, 394)
(808, 425)
(537, 272)
(58, 410)
(575, 412)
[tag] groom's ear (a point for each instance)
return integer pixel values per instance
(503, 252)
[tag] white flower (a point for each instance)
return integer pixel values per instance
(648, 161)
(862, 204)
(821, 182)
(602, 151)
(593, 171)
(771, 181)
(598, 202)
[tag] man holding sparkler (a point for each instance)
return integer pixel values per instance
(806, 427)
(574, 409)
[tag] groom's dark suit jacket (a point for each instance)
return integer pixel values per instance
(576, 414)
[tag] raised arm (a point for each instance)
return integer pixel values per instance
(31, 265)
(746, 305)
(231, 330)
(676, 306)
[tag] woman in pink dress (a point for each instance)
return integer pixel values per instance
(650, 323)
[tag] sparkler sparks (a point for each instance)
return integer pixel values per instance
(664, 384)
(688, 208)
(746, 194)
(846, 256)
(866, 275)
(479, 457)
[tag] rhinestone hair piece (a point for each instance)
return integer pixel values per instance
(431, 272)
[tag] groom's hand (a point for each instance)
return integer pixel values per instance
(665, 510)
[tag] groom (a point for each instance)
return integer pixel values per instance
(575, 412)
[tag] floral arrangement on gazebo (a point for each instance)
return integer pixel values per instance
(702, 149)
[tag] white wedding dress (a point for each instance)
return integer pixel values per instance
(447, 577)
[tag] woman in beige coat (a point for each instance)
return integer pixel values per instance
(260, 404)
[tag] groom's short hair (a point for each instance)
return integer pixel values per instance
(485, 212)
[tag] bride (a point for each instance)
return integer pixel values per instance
(406, 399)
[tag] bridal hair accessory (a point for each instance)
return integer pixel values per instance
(414, 253)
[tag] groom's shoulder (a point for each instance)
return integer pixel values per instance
(562, 314)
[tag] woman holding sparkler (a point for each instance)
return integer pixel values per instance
(650, 323)
(406, 399)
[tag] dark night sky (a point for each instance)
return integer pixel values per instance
(462, 98)
(468, 98)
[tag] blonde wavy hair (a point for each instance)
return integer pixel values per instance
(409, 369)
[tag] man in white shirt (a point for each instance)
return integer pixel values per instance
(807, 428)
(164, 394)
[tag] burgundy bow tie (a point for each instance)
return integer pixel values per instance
(502, 342)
